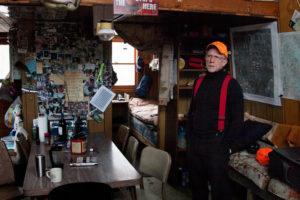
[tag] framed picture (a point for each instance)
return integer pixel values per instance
(255, 59)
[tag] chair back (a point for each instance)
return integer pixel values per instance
(8, 190)
(156, 163)
(6, 167)
(84, 190)
(121, 137)
(24, 146)
(131, 149)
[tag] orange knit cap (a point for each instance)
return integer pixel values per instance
(222, 48)
(262, 156)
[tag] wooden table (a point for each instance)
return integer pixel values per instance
(113, 168)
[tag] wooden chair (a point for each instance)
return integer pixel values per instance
(84, 190)
(131, 149)
(120, 138)
(8, 189)
(24, 146)
(24, 151)
(156, 163)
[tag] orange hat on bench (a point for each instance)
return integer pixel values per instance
(262, 156)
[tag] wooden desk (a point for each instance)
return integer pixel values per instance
(113, 168)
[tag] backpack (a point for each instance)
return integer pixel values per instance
(223, 97)
(285, 165)
(144, 86)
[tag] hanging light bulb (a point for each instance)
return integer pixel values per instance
(105, 31)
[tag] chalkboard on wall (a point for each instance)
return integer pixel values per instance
(255, 61)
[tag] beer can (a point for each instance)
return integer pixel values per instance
(40, 165)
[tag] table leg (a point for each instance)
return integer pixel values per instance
(132, 192)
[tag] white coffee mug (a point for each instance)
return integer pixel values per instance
(55, 174)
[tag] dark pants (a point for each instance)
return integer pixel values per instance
(208, 164)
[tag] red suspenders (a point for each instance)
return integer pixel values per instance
(223, 97)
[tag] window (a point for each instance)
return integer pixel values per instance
(4, 57)
(123, 62)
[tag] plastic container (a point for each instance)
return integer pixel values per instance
(47, 138)
(181, 138)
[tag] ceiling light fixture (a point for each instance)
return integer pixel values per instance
(105, 31)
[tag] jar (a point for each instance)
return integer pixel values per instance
(47, 138)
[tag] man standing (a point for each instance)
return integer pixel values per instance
(210, 132)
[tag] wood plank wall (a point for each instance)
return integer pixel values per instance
(291, 108)
(289, 112)
(240, 7)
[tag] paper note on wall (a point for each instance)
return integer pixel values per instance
(74, 85)
(57, 79)
(31, 66)
(39, 67)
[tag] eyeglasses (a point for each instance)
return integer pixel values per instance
(218, 58)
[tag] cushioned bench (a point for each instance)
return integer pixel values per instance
(246, 170)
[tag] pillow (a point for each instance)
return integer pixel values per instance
(294, 136)
(253, 131)
(268, 136)
(280, 136)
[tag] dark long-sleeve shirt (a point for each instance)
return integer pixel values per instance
(204, 108)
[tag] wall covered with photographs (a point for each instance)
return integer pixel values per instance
(65, 67)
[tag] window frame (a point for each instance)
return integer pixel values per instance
(126, 88)
(4, 41)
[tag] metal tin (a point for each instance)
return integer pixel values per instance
(40, 165)
(78, 146)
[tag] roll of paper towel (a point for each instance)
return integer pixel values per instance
(43, 127)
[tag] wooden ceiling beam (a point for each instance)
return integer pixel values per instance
(238, 7)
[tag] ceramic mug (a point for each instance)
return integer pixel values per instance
(55, 174)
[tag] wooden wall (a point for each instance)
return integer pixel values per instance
(289, 112)
(291, 108)
(240, 7)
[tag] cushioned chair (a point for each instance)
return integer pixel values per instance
(120, 138)
(84, 190)
(156, 163)
(131, 149)
(8, 189)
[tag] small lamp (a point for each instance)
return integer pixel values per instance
(105, 31)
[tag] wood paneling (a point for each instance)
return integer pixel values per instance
(162, 123)
(103, 126)
(291, 111)
(95, 127)
(108, 120)
(240, 7)
(291, 108)
(30, 111)
(265, 111)
(286, 9)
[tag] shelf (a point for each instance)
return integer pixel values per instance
(191, 54)
(181, 150)
(193, 70)
(182, 87)
(183, 119)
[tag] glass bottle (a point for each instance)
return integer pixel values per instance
(78, 124)
(37, 140)
(62, 129)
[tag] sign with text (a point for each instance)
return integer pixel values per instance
(136, 7)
